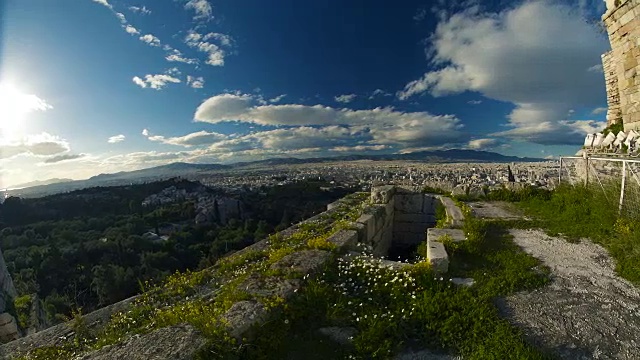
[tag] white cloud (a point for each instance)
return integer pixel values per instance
(202, 8)
(145, 132)
(158, 81)
(43, 144)
(177, 57)
(142, 10)
(116, 139)
(277, 98)
(64, 157)
(150, 39)
(481, 144)
(174, 71)
(599, 110)
(121, 17)
(346, 98)
(539, 53)
(215, 53)
(381, 125)
(104, 2)
(138, 81)
(131, 30)
(223, 39)
(378, 92)
(189, 140)
(195, 82)
(359, 148)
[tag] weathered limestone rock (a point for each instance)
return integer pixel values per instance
(58, 335)
(344, 239)
(361, 229)
(369, 222)
(454, 214)
(270, 286)
(242, 315)
(476, 192)
(179, 342)
(304, 261)
(382, 194)
(437, 257)
(8, 328)
(460, 190)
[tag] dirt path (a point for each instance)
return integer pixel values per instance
(587, 312)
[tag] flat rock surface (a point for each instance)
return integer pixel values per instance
(587, 312)
(494, 210)
(59, 334)
(179, 342)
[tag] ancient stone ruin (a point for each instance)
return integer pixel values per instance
(620, 65)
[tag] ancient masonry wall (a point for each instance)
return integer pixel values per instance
(397, 217)
(614, 115)
(622, 21)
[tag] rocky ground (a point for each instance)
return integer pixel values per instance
(587, 312)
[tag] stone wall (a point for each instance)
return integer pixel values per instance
(398, 217)
(415, 212)
(622, 21)
(611, 81)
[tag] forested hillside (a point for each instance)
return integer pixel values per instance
(93, 247)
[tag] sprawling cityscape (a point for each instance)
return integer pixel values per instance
(362, 174)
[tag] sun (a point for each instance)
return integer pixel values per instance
(15, 105)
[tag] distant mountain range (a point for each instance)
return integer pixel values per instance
(40, 183)
(51, 186)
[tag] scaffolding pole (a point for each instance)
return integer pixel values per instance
(624, 178)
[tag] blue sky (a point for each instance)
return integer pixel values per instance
(96, 86)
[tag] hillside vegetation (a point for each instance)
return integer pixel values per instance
(86, 249)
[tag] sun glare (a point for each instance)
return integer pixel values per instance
(14, 107)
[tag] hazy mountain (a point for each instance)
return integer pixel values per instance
(169, 170)
(39, 183)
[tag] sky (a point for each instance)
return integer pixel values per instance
(100, 86)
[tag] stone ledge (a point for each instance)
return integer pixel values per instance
(345, 239)
(437, 257)
(434, 234)
(369, 223)
(454, 214)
